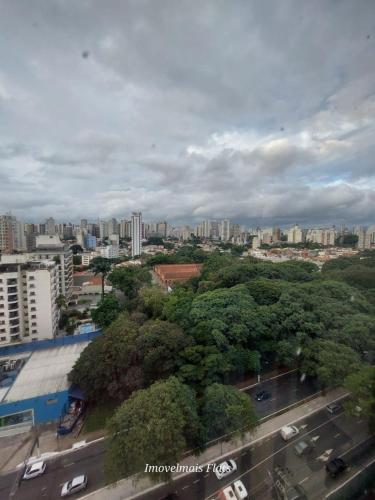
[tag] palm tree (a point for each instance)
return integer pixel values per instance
(101, 265)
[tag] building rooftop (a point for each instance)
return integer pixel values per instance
(45, 372)
(177, 272)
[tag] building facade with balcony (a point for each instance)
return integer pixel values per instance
(28, 309)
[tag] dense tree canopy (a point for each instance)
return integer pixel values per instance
(226, 410)
(108, 367)
(129, 279)
(361, 384)
(107, 311)
(154, 426)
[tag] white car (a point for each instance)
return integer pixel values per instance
(225, 469)
(288, 432)
(239, 489)
(78, 483)
(34, 470)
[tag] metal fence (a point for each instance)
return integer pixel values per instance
(48, 344)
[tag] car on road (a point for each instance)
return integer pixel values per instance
(304, 447)
(288, 432)
(333, 408)
(78, 483)
(336, 466)
(262, 395)
(225, 469)
(34, 470)
(236, 491)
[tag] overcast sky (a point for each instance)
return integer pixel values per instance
(255, 110)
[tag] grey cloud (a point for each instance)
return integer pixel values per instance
(293, 81)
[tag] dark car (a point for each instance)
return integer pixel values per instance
(262, 395)
(336, 467)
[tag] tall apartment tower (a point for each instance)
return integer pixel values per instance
(28, 292)
(225, 230)
(50, 247)
(51, 226)
(136, 233)
(6, 234)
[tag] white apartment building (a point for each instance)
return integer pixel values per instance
(87, 257)
(322, 236)
(366, 239)
(51, 247)
(109, 252)
(295, 235)
(225, 230)
(28, 309)
(136, 233)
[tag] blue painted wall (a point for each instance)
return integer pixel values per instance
(43, 412)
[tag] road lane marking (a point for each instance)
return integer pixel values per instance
(303, 480)
(196, 481)
(69, 465)
(276, 452)
(337, 435)
(184, 487)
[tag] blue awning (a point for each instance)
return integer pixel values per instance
(76, 392)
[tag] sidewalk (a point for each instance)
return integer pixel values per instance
(128, 488)
(14, 449)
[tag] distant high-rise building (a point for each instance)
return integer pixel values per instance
(84, 224)
(366, 239)
(103, 229)
(51, 226)
(6, 234)
(125, 228)
(136, 233)
(113, 227)
(295, 234)
(90, 241)
(225, 230)
(276, 234)
(12, 234)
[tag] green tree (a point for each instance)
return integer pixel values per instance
(130, 279)
(226, 410)
(154, 426)
(331, 363)
(77, 260)
(108, 367)
(159, 344)
(100, 265)
(107, 311)
(362, 386)
(153, 299)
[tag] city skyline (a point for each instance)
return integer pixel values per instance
(131, 115)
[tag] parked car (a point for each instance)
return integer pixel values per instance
(262, 395)
(303, 447)
(336, 466)
(78, 483)
(225, 469)
(333, 408)
(34, 470)
(288, 432)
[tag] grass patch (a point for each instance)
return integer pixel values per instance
(97, 416)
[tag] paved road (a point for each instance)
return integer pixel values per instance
(88, 460)
(284, 390)
(334, 435)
